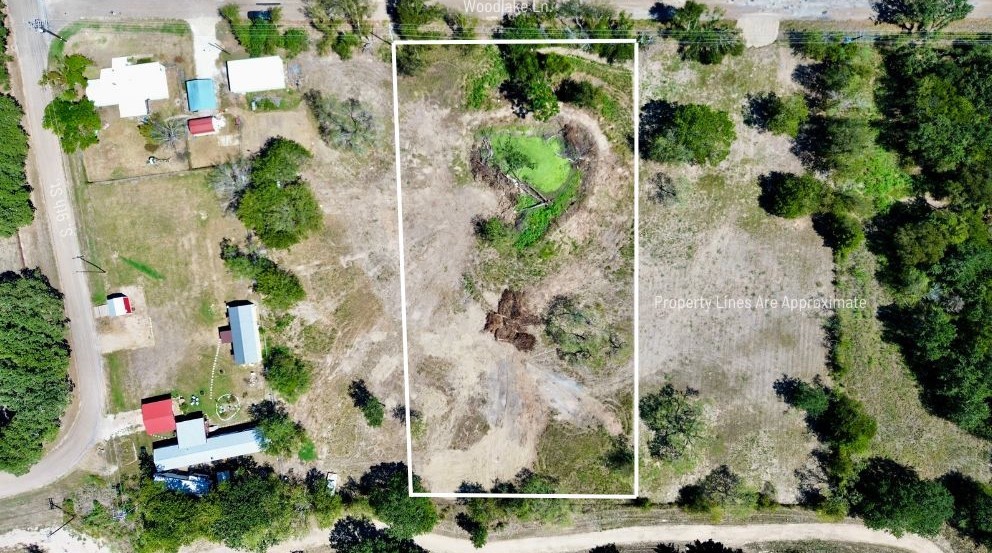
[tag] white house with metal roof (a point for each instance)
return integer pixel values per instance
(256, 74)
(246, 344)
(193, 446)
(129, 87)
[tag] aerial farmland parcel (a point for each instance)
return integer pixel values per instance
(518, 246)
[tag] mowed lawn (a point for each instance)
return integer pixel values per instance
(545, 168)
(163, 234)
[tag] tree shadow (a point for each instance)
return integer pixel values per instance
(654, 117)
(661, 12)
(758, 109)
(769, 184)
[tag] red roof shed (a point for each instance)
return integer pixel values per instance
(158, 417)
(201, 125)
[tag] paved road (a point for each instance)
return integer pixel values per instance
(84, 422)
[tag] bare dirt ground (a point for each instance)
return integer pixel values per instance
(485, 404)
(131, 331)
(716, 243)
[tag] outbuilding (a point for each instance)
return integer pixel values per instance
(118, 304)
(156, 414)
(256, 74)
(200, 95)
(246, 343)
(201, 126)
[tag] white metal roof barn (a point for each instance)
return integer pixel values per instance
(256, 74)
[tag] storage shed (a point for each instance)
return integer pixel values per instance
(118, 304)
(201, 126)
(200, 95)
(156, 414)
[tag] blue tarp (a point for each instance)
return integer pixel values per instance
(201, 94)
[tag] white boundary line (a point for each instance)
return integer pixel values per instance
(399, 216)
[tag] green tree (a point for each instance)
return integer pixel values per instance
(75, 122)
(688, 133)
(792, 196)
(675, 420)
(328, 17)
(66, 76)
(278, 205)
(371, 407)
(280, 289)
(894, 498)
(703, 35)
(287, 374)
(34, 367)
(257, 509)
(385, 486)
(359, 535)
(16, 209)
(920, 15)
(281, 435)
(787, 115)
(295, 42)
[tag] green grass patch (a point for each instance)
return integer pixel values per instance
(535, 222)
(533, 159)
(116, 378)
(278, 100)
(576, 459)
(482, 88)
(308, 453)
(143, 268)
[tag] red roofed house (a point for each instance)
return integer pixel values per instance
(200, 126)
(157, 416)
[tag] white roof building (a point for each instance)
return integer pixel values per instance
(194, 447)
(246, 342)
(256, 74)
(129, 87)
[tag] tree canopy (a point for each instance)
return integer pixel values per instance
(675, 420)
(894, 498)
(385, 486)
(16, 209)
(34, 367)
(287, 374)
(685, 133)
(920, 15)
(278, 205)
(281, 435)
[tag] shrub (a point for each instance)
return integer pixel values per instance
(791, 196)
(344, 124)
(279, 288)
(675, 420)
(702, 34)
(788, 115)
(286, 373)
(385, 486)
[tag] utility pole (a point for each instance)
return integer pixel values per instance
(39, 25)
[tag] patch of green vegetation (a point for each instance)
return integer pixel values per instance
(533, 159)
(15, 194)
(482, 88)
(318, 339)
(116, 375)
(308, 453)
(577, 459)
(534, 223)
(279, 100)
(142, 268)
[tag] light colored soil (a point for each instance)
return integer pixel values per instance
(718, 244)
(131, 331)
(210, 150)
(485, 404)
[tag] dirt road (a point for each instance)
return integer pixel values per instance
(84, 422)
(729, 535)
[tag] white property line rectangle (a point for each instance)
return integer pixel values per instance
(399, 213)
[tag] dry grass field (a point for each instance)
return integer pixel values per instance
(489, 409)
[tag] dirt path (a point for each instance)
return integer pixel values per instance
(82, 424)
